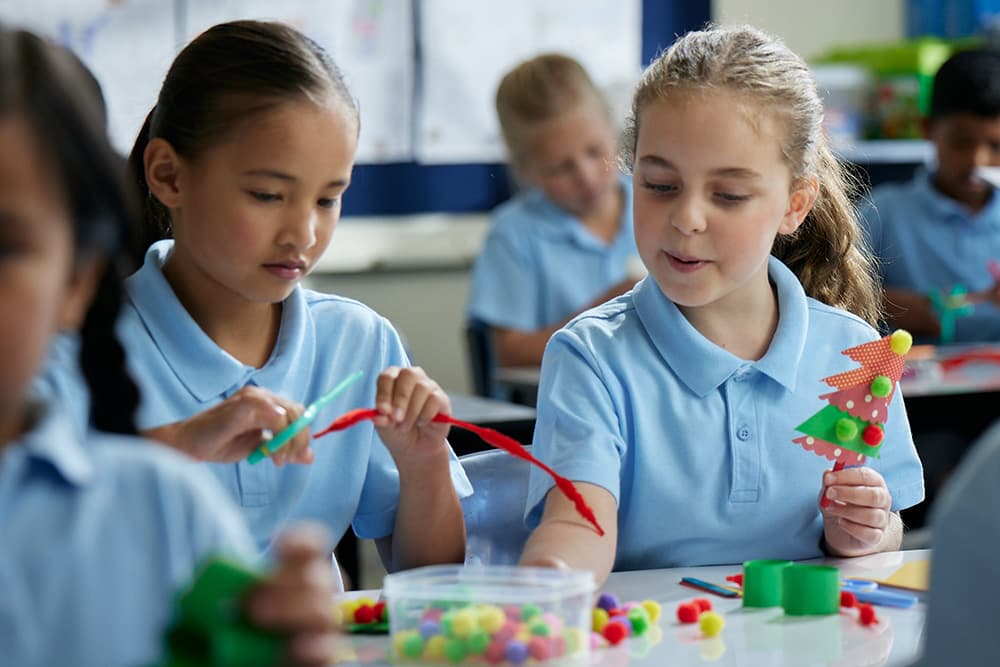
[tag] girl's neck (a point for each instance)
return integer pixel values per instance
(605, 221)
(246, 330)
(743, 324)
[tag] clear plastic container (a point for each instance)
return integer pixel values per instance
(504, 615)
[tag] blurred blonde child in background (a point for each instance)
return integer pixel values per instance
(565, 242)
(674, 406)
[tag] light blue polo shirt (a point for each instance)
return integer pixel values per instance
(694, 443)
(926, 242)
(539, 264)
(98, 536)
(322, 339)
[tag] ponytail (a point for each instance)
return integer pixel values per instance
(155, 218)
(828, 252)
(114, 396)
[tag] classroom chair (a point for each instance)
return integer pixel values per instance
(477, 344)
(494, 513)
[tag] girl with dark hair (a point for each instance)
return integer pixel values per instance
(241, 166)
(99, 530)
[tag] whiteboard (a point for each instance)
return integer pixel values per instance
(129, 45)
(466, 47)
(370, 40)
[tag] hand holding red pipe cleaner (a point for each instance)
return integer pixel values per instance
(495, 438)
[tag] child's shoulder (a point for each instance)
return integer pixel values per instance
(837, 323)
(345, 309)
(607, 317)
(521, 213)
(125, 460)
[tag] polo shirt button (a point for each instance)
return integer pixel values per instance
(743, 433)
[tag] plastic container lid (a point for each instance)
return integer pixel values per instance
(504, 584)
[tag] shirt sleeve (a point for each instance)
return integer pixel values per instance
(577, 431)
(506, 282)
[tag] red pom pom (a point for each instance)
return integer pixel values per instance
(379, 610)
(364, 614)
(872, 435)
(866, 614)
(847, 599)
(688, 612)
(735, 578)
(704, 604)
(614, 632)
(615, 611)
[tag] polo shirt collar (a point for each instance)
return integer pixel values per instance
(701, 364)
(56, 441)
(205, 369)
(942, 207)
(557, 224)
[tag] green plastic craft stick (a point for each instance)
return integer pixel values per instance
(269, 447)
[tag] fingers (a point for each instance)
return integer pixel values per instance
(864, 534)
(406, 397)
(296, 597)
(860, 486)
(296, 450)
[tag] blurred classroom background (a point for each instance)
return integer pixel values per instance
(431, 164)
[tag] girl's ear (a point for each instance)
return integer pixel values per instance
(163, 167)
(799, 204)
(80, 292)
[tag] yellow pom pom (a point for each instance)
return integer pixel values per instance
(901, 341)
(600, 619)
(464, 623)
(711, 623)
(347, 609)
(434, 648)
(652, 608)
(491, 618)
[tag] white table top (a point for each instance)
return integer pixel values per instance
(751, 637)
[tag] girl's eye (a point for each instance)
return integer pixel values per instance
(264, 196)
(730, 198)
(663, 188)
(328, 202)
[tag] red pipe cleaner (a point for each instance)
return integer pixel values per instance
(491, 436)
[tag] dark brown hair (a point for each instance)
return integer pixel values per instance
(226, 75)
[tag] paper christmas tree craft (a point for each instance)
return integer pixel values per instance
(850, 428)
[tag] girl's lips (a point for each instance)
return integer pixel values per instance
(685, 264)
(291, 271)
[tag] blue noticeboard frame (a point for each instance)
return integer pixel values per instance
(407, 187)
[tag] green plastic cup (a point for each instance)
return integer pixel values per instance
(762, 581)
(810, 590)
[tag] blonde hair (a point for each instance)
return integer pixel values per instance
(539, 90)
(828, 252)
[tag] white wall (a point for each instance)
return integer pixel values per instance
(810, 27)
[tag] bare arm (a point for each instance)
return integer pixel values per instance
(514, 347)
(565, 539)
(912, 311)
(429, 526)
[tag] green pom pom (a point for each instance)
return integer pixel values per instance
(529, 611)
(477, 642)
(454, 649)
(881, 386)
(639, 619)
(846, 430)
(413, 646)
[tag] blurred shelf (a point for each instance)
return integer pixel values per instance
(887, 151)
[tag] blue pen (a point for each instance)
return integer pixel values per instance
(709, 587)
(871, 593)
